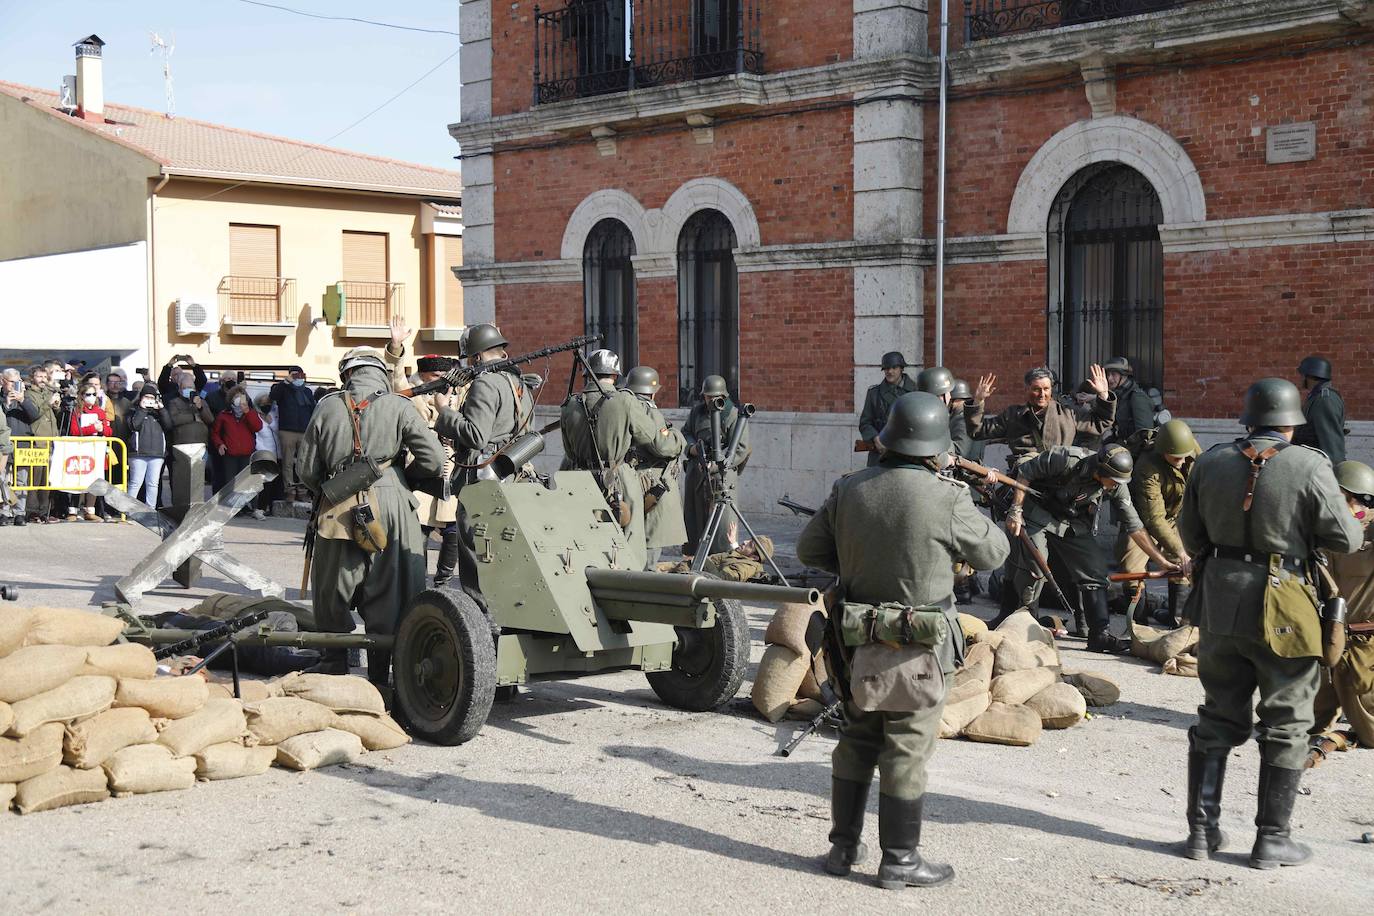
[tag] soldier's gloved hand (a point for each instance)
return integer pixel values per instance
(1014, 521)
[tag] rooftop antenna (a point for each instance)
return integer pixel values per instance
(166, 48)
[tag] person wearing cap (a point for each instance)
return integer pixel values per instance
(879, 400)
(1062, 523)
(295, 406)
(1324, 409)
(1042, 421)
(698, 500)
(1157, 484)
(1254, 512)
(892, 533)
(658, 469)
(1134, 409)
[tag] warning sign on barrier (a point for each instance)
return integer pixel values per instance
(76, 464)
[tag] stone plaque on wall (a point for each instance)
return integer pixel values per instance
(1290, 143)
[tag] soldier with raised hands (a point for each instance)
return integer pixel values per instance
(1040, 421)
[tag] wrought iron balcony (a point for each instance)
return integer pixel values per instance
(258, 300)
(595, 47)
(995, 18)
(370, 303)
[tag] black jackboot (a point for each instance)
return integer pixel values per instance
(1008, 602)
(332, 661)
(449, 548)
(899, 834)
(1206, 775)
(1171, 615)
(1100, 639)
(1278, 789)
(847, 803)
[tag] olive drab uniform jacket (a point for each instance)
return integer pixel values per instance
(1025, 431)
(1157, 493)
(877, 405)
(1134, 410)
(1325, 427)
(1071, 497)
(697, 486)
(498, 408)
(663, 524)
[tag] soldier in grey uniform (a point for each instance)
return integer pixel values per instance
(879, 400)
(939, 381)
(959, 397)
(1254, 511)
(1134, 409)
(658, 471)
(1324, 409)
(697, 486)
(892, 533)
(346, 577)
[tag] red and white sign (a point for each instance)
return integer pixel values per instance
(75, 465)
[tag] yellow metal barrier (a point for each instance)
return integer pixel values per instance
(37, 453)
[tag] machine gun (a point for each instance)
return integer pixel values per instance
(224, 631)
(459, 376)
(796, 507)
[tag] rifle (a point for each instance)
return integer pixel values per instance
(796, 507)
(1079, 620)
(1142, 576)
(459, 376)
(225, 630)
(310, 534)
(835, 691)
(968, 467)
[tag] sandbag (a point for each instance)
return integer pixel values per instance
(146, 768)
(310, 751)
(125, 660)
(91, 742)
(1018, 726)
(339, 692)
(977, 652)
(379, 733)
(7, 790)
(24, 758)
(6, 717)
(1184, 665)
(810, 688)
(30, 671)
(1016, 687)
(231, 760)
(1023, 627)
(60, 787)
(973, 627)
(216, 722)
(1059, 705)
(1014, 655)
(1159, 646)
(273, 720)
(1097, 689)
(77, 699)
(14, 626)
(164, 697)
(971, 680)
(249, 691)
(788, 627)
(992, 639)
(60, 626)
(779, 676)
(956, 716)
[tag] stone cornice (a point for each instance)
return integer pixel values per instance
(1269, 231)
(508, 272)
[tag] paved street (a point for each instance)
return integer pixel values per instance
(589, 796)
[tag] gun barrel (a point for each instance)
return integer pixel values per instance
(695, 585)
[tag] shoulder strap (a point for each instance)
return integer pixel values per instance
(591, 425)
(1258, 459)
(354, 415)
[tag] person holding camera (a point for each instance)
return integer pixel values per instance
(190, 429)
(148, 423)
(168, 380)
(42, 400)
(19, 417)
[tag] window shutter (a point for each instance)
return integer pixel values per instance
(253, 251)
(453, 289)
(364, 257)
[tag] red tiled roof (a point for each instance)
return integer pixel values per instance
(185, 146)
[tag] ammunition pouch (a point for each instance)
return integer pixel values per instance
(903, 679)
(893, 625)
(653, 494)
(1292, 628)
(365, 529)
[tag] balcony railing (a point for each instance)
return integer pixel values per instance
(995, 18)
(594, 47)
(258, 300)
(371, 304)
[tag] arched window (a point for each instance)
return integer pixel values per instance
(707, 304)
(1106, 275)
(608, 289)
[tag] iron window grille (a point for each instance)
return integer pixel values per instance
(708, 304)
(995, 18)
(608, 289)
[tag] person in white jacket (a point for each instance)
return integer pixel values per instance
(268, 440)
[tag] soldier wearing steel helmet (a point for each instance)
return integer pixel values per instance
(1134, 409)
(879, 400)
(1254, 511)
(697, 485)
(347, 577)
(1324, 409)
(892, 534)
(658, 470)
(939, 381)
(1156, 487)
(959, 397)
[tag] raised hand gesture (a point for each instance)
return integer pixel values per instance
(987, 386)
(1097, 379)
(399, 332)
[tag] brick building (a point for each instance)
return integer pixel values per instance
(748, 188)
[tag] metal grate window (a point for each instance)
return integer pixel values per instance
(708, 304)
(608, 289)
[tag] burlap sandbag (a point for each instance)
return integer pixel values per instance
(79, 698)
(971, 680)
(59, 788)
(339, 692)
(6, 717)
(14, 626)
(992, 639)
(164, 697)
(1004, 724)
(779, 676)
(956, 716)
(1159, 646)
(810, 688)
(217, 721)
(33, 670)
(1014, 655)
(974, 627)
(125, 660)
(319, 749)
(378, 733)
(91, 742)
(24, 758)
(249, 691)
(7, 790)
(1184, 665)
(1059, 705)
(977, 652)
(788, 627)
(231, 760)
(146, 768)
(1023, 627)
(273, 720)
(1016, 687)
(1097, 689)
(60, 626)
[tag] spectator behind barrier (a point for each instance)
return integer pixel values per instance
(295, 406)
(88, 420)
(234, 435)
(19, 417)
(268, 440)
(148, 423)
(43, 400)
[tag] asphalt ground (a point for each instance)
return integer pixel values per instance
(590, 796)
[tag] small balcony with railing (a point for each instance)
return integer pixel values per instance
(363, 308)
(596, 47)
(984, 19)
(258, 306)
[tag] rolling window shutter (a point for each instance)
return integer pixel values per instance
(364, 257)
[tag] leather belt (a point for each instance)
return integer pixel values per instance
(1258, 558)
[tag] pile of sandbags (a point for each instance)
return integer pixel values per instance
(83, 719)
(1175, 651)
(790, 674)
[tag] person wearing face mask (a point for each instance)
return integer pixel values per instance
(1040, 422)
(191, 422)
(267, 441)
(234, 434)
(148, 423)
(295, 406)
(89, 419)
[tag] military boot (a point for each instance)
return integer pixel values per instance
(1274, 846)
(1100, 639)
(1008, 602)
(332, 661)
(899, 834)
(1206, 775)
(1171, 615)
(379, 673)
(1140, 608)
(448, 557)
(847, 803)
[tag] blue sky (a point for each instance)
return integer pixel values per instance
(260, 69)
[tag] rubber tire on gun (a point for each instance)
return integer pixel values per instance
(444, 667)
(708, 665)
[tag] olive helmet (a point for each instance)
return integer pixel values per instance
(1357, 479)
(1176, 440)
(361, 356)
(1118, 364)
(917, 426)
(894, 360)
(642, 380)
(1114, 462)
(936, 380)
(961, 391)
(1272, 402)
(603, 363)
(1315, 367)
(713, 386)
(482, 337)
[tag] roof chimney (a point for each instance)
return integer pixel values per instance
(90, 89)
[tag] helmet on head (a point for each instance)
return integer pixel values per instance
(1175, 439)
(894, 360)
(961, 391)
(936, 380)
(1115, 462)
(361, 356)
(603, 362)
(713, 386)
(1272, 402)
(1118, 364)
(642, 380)
(1357, 479)
(481, 338)
(917, 426)
(1316, 367)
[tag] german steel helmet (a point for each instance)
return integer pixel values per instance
(894, 360)
(917, 425)
(481, 338)
(1118, 364)
(1316, 367)
(961, 391)
(1273, 402)
(361, 356)
(1176, 439)
(936, 380)
(1357, 479)
(713, 386)
(642, 380)
(603, 362)
(1115, 462)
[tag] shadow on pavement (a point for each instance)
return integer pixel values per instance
(1141, 713)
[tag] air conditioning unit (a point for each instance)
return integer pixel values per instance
(194, 316)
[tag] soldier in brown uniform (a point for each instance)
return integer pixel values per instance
(1157, 483)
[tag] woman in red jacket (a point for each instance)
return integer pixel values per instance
(89, 419)
(235, 434)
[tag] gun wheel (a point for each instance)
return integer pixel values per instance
(444, 668)
(708, 665)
